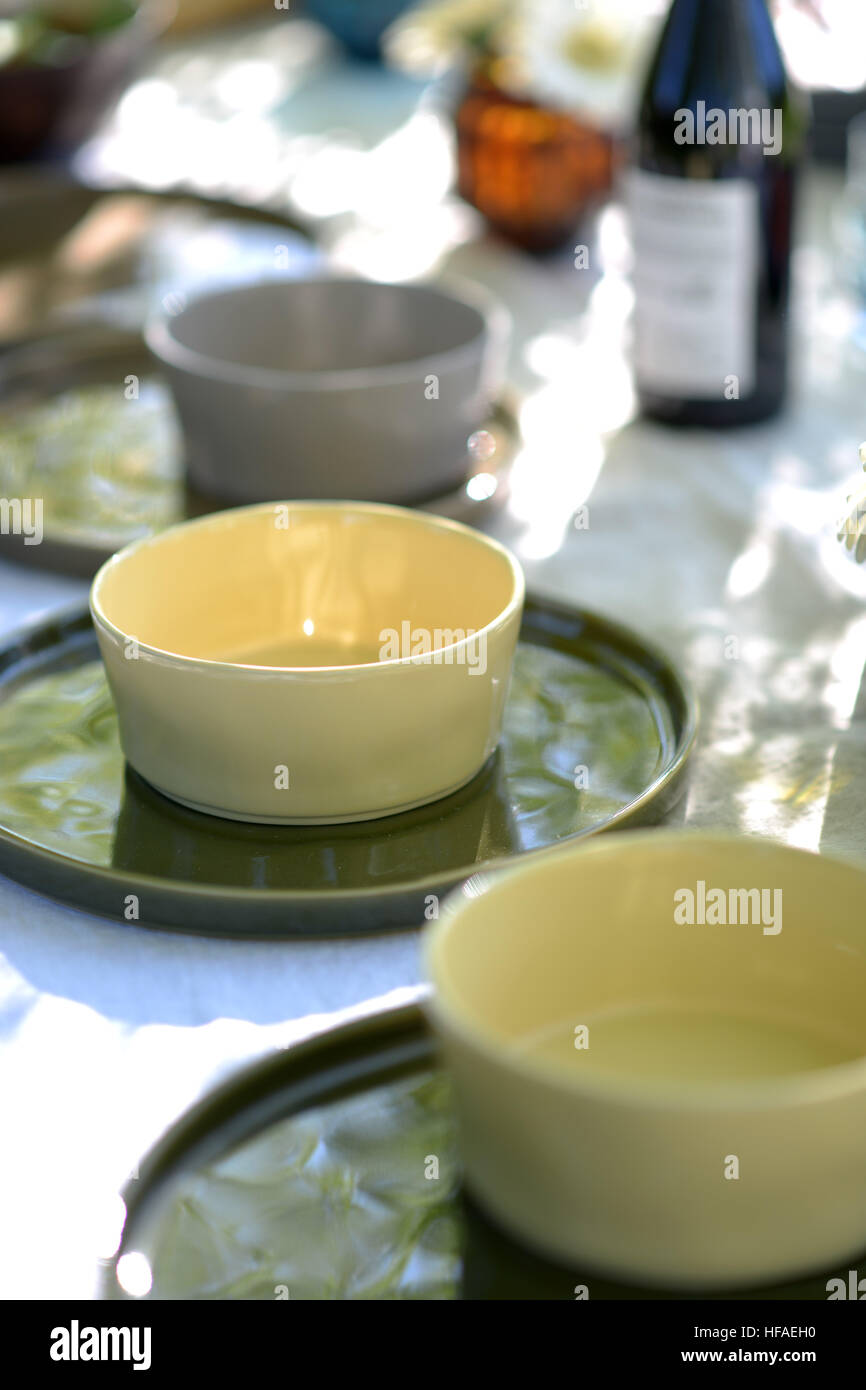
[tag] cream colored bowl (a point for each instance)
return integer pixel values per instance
(313, 661)
(709, 1127)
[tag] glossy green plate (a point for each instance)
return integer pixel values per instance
(107, 465)
(87, 426)
(332, 1171)
(598, 731)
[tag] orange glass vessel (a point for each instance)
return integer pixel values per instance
(530, 170)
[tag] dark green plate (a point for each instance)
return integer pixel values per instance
(108, 469)
(331, 1170)
(598, 730)
(102, 452)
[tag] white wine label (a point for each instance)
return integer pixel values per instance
(696, 245)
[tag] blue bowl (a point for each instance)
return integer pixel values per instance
(360, 24)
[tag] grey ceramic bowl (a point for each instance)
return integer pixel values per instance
(331, 388)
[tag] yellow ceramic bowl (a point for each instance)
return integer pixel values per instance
(647, 1089)
(315, 661)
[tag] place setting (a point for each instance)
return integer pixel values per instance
(93, 396)
(463, 1146)
(429, 718)
(198, 827)
(429, 708)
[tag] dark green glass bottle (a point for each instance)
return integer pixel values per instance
(720, 137)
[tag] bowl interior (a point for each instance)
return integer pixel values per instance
(684, 960)
(306, 586)
(326, 325)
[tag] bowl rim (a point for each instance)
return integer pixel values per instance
(215, 520)
(494, 324)
(448, 1016)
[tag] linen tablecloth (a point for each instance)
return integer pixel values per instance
(720, 547)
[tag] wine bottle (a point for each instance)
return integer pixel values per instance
(710, 194)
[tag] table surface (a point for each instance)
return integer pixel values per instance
(721, 547)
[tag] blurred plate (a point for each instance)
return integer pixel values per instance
(598, 730)
(72, 256)
(88, 427)
(311, 1175)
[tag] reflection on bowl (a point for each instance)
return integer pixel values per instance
(161, 838)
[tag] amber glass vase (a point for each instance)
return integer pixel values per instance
(530, 170)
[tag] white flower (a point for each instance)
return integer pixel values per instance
(586, 56)
(582, 56)
(440, 32)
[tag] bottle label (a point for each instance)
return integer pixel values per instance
(696, 254)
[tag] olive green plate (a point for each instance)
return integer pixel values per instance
(88, 427)
(598, 730)
(331, 1170)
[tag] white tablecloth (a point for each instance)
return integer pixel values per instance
(720, 547)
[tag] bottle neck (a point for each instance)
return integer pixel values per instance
(718, 50)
